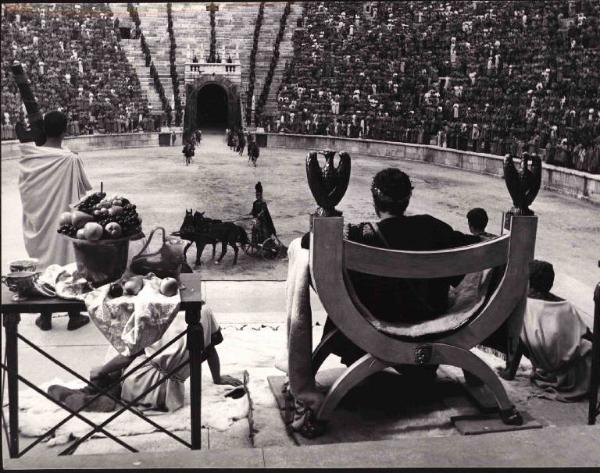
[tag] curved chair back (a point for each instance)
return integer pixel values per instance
(331, 257)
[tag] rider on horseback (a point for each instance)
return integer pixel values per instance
(263, 221)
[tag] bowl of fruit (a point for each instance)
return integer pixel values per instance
(100, 230)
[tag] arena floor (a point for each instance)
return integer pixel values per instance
(221, 183)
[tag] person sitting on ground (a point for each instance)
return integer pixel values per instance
(555, 338)
(478, 220)
(168, 396)
(50, 179)
(389, 299)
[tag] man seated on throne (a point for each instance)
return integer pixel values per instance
(390, 299)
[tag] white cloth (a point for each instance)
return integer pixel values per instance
(553, 333)
(132, 323)
(49, 180)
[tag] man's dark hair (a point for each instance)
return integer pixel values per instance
(391, 189)
(541, 276)
(478, 218)
(55, 124)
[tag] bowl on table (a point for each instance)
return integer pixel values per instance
(22, 283)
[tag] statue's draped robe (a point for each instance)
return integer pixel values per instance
(49, 180)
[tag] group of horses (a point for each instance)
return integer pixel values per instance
(201, 230)
(236, 140)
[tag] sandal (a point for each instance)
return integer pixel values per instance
(306, 423)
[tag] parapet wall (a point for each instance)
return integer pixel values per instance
(10, 149)
(566, 181)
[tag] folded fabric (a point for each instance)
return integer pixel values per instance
(65, 282)
(132, 323)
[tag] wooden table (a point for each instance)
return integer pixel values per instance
(191, 303)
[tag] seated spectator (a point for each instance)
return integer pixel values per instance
(478, 220)
(390, 299)
(555, 339)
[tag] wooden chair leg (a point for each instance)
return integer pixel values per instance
(323, 350)
(455, 356)
(359, 370)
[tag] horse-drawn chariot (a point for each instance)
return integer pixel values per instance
(262, 245)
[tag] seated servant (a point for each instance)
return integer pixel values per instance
(168, 396)
(478, 220)
(390, 299)
(555, 338)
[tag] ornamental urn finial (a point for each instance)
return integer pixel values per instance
(329, 183)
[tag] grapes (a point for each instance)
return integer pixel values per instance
(88, 205)
(68, 230)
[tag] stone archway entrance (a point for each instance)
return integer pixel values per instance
(212, 107)
(211, 101)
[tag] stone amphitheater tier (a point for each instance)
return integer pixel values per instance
(235, 23)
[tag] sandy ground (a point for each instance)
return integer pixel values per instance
(221, 183)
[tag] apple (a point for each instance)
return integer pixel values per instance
(115, 290)
(93, 231)
(168, 287)
(115, 210)
(80, 234)
(65, 219)
(79, 219)
(113, 229)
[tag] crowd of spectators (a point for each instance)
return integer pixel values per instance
(74, 61)
(496, 77)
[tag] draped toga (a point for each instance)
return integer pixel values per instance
(49, 180)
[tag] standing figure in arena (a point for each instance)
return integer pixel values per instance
(241, 142)
(231, 139)
(50, 178)
(253, 151)
(188, 151)
(263, 223)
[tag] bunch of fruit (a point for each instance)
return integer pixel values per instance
(97, 218)
(133, 285)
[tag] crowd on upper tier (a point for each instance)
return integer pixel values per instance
(74, 62)
(499, 77)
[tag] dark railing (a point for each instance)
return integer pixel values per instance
(252, 76)
(212, 55)
(173, 66)
(274, 60)
(135, 17)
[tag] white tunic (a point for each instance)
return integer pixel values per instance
(49, 180)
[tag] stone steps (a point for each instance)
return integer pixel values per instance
(235, 22)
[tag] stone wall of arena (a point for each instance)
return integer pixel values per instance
(566, 181)
(10, 149)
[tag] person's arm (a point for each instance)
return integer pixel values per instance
(214, 364)
(116, 363)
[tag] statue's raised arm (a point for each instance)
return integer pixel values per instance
(36, 120)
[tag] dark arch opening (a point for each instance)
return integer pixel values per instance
(212, 107)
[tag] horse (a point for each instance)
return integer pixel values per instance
(213, 231)
(189, 231)
(253, 152)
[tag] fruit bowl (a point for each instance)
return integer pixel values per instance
(102, 261)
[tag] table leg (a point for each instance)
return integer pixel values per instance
(195, 344)
(11, 322)
(595, 374)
